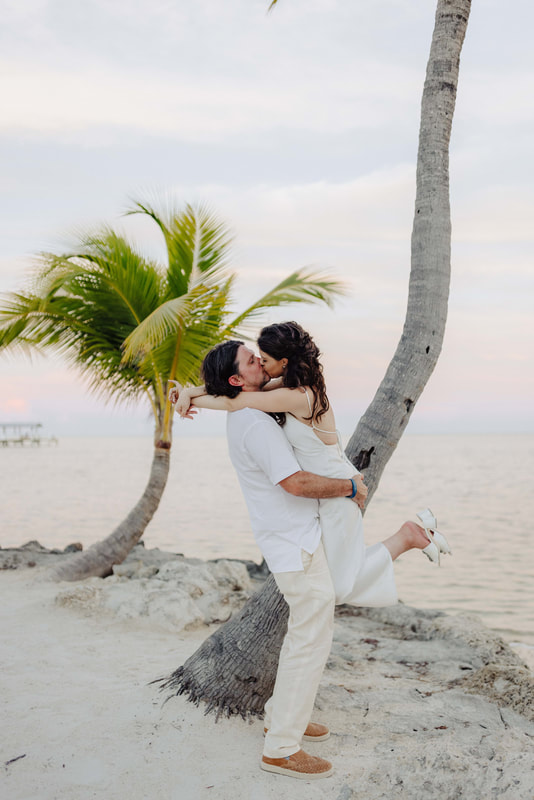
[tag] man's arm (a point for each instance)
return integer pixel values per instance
(308, 484)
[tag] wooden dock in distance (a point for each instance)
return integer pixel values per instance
(23, 433)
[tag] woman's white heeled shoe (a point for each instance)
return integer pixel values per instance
(438, 543)
(432, 552)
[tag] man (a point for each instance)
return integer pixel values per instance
(282, 503)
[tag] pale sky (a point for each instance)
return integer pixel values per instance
(299, 128)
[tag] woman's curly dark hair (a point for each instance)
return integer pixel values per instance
(289, 340)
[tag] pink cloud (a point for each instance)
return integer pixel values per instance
(14, 406)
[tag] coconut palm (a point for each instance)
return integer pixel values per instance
(233, 671)
(130, 324)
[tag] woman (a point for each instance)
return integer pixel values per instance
(295, 394)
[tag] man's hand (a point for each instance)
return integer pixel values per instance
(361, 494)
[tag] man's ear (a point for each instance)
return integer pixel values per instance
(235, 380)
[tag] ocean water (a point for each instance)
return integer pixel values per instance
(479, 487)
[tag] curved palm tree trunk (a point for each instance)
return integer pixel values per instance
(218, 671)
(381, 427)
(98, 560)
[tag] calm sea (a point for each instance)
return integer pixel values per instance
(479, 487)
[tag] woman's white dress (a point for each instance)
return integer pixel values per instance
(361, 575)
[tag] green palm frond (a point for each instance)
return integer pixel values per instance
(65, 325)
(163, 322)
(191, 348)
(197, 245)
(133, 280)
(204, 331)
(31, 320)
(201, 245)
(15, 310)
(203, 311)
(302, 286)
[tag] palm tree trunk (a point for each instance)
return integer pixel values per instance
(98, 560)
(381, 427)
(240, 650)
(237, 653)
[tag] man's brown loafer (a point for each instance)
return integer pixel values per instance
(315, 732)
(299, 765)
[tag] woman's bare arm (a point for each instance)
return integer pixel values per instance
(290, 400)
(196, 391)
(182, 398)
(274, 383)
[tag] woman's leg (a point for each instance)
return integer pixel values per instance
(408, 536)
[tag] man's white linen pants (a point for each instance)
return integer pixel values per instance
(310, 596)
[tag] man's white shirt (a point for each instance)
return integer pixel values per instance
(282, 523)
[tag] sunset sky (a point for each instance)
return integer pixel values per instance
(299, 128)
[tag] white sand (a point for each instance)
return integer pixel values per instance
(76, 704)
(78, 707)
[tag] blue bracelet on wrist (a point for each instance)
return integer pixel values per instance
(354, 489)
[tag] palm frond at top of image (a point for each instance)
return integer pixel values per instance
(108, 266)
(52, 273)
(110, 251)
(302, 286)
(198, 245)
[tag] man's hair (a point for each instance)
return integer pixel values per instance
(218, 366)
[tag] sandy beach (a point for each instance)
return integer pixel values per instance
(420, 704)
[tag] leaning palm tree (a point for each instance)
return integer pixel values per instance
(130, 325)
